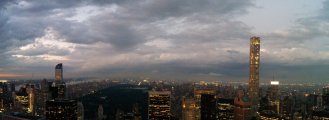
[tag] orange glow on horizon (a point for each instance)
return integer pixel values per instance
(10, 75)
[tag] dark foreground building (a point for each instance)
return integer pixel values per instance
(61, 110)
(20, 116)
(208, 107)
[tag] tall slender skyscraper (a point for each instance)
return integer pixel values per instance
(59, 72)
(30, 89)
(253, 88)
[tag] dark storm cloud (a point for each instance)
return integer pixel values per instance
(121, 28)
(175, 8)
(168, 37)
(5, 43)
(4, 3)
(294, 74)
(14, 31)
(120, 34)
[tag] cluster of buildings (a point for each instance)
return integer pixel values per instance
(254, 101)
(47, 100)
(162, 101)
(206, 106)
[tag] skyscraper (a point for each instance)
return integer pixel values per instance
(59, 86)
(189, 109)
(59, 72)
(30, 89)
(197, 96)
(21, 100)
(208, 107)
(100, 112)
(286, 107)
(325, 96)
(3, 96)
(159, 105)
(253, 88)
(80, 111)
(274, 90)
(44, 95)
(225, 108)
(5, 100)
(274, 96)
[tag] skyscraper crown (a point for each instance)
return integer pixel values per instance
(59, 66)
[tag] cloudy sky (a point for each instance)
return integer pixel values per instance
(168, 39)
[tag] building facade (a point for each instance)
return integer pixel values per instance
(325, 96)
(197, 97)
(208, 107)
(159, 105)
(61, 110)
(59, 85)
(189, 110)
(254, 61)
(59, 72)
(242, 107)
(225, 109)
(5, 96)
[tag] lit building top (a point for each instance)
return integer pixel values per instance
(159, 98)
(59, 66)
(255, 40)
(274, 82)
(198, 92)
(325, 90)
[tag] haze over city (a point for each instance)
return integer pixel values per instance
(167, 39)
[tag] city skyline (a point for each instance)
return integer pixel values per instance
(174, 39)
